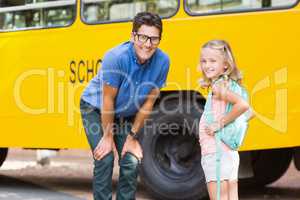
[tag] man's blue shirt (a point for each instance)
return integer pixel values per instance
(120, 69)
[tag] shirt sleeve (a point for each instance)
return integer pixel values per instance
(164, 74)
(110, 72)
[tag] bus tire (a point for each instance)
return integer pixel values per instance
(3, 155)
(171, 166)
(269, 166)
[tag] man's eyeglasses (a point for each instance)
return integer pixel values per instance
(144, 38)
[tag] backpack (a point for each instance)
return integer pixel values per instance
(233, 133)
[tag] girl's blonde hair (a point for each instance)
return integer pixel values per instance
(232, 71)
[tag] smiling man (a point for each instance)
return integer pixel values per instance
(118, 100)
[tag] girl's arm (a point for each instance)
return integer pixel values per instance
(239, 107)
(250, 114)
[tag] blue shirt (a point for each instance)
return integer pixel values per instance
(120, 69)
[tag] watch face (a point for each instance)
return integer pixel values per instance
(134, 135)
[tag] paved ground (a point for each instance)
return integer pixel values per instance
(70, 174)
(14, 189)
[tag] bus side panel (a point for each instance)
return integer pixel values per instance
(44, 72)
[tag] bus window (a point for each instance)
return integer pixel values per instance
(33, 14)
(211, 6)
(101, 11)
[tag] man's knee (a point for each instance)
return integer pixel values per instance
(129, 163)
(106, 162)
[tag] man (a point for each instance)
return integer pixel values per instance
(118, 100)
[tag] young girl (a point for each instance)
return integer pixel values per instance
(218, 66)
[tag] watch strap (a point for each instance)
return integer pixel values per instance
(134, 135)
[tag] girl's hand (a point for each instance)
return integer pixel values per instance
(209, 130)
(213, 128)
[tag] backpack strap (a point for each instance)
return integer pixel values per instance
(218, 165)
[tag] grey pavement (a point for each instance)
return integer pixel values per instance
(14, 189)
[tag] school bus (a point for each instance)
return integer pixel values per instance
(51, 49)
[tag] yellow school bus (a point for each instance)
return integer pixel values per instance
(51, 49)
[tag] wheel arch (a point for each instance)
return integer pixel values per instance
(181, 95)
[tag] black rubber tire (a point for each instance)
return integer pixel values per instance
(3, 155)
(171, 167)
(268, 166)
(296, 157)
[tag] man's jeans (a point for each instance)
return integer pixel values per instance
(103, 169)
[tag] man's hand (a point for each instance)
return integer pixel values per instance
(133, 146)
(104, 147)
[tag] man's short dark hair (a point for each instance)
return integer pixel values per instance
(149, 19)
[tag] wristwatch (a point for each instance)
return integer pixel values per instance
(133, 135)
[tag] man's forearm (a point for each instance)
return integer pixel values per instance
(141, 117)
(107, 116)
(145, 111)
